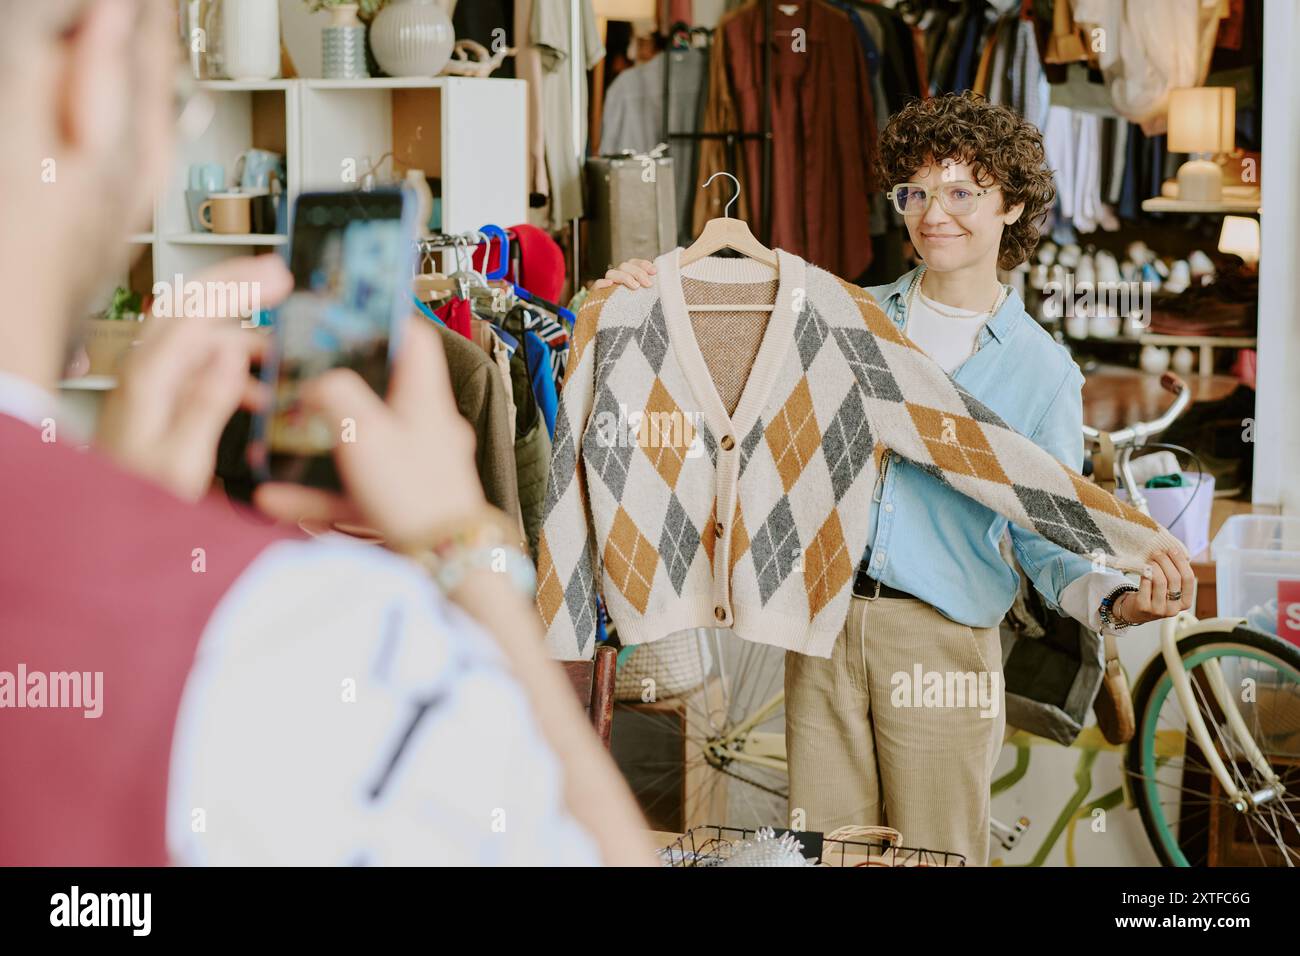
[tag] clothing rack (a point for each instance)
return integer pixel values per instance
(764, 229)
(428, 246)
(577, 86)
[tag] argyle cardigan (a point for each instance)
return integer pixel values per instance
(682, 516)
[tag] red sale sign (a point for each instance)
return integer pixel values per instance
(1288, 611)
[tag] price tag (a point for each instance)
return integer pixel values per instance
(1288, 611)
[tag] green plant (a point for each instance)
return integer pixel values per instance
(125, 305)
(366, 9)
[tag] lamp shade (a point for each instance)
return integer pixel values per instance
(625, 9)
(1240, 237)
(1203, 119)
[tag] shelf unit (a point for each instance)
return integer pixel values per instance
(468, 132)
(1224, 207)
(214, 239)
(260, 114)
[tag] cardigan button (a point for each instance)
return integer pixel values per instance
(727, 443)
(717, 527)
(720, 613)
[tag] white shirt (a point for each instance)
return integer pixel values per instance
(950, 341)
(341, 711)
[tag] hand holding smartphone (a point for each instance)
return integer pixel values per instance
(350, 256)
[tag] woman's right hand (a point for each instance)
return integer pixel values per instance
(634, 274)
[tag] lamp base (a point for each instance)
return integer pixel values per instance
(1200, 180)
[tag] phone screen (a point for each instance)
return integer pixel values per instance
(351, 262)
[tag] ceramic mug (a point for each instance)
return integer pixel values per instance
(256, 167)
(227, 213)
(194, 200)
(207, 177)
(262, 213)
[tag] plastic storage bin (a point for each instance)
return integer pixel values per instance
(1253, 553)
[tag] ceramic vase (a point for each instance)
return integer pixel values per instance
(250, 39)
(412, 38)
(343, 45)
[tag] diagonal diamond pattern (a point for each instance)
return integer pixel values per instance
(775, 549)
(607, 451)
(678, 543)
(868, 364)
(847, 443)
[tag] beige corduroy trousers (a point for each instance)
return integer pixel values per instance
(867, 744)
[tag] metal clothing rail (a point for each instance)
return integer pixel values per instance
(764, 227)
(577, 82)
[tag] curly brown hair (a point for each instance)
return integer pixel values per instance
(996, 141)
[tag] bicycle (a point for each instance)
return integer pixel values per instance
(1203, 765)
(1212, 737)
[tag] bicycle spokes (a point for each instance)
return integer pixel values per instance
(1249, 702)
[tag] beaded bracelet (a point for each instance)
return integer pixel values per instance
(484, 541)
(1108, 618)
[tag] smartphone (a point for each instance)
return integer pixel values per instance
(351, 256)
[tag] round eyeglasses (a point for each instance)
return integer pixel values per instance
(957, 199)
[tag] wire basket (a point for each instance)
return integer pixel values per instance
(711, 845)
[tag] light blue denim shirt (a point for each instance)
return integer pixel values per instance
(935, 543)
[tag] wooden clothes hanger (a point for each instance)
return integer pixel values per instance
(727, 233)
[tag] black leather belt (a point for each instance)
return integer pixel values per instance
(865, 586)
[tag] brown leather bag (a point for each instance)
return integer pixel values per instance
(1113, 705)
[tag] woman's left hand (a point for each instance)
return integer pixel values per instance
(1166, 589)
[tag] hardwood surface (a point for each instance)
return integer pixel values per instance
(1115, 396)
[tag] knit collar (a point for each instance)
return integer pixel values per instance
(771, 352)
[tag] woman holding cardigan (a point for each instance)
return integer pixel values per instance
(970, 180)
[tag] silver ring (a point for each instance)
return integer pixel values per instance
(1174, 595)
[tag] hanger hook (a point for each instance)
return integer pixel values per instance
(726, 210)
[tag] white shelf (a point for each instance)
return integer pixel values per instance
(243, 86)
(90, 383)
(227, 239)
(380, 83)
(328, 131)
(1166, 204)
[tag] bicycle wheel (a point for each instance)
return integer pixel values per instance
(715, 755)
(1188, 817)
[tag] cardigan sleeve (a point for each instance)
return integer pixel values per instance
(918, 412)
(566, 548)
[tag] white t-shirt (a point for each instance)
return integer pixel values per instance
(948, 339)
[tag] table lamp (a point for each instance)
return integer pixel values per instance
(1202, 122)
(1240, 237)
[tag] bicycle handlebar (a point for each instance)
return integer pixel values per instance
(1137, 433)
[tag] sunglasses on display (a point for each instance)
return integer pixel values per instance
(957, 199)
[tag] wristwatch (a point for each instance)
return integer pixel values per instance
(1106, 610)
